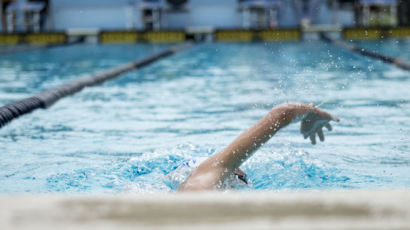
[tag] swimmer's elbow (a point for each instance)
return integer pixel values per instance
(204, 182)
(188, 186)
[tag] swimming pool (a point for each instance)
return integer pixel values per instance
(127, 134)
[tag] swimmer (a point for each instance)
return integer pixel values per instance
(213, 172)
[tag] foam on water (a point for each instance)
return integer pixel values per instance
(161, 171)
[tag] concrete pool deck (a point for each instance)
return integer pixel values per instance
(350, 209)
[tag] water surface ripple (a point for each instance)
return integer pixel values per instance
(127, 134)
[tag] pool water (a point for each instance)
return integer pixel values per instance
(24, 74)
(129, 133)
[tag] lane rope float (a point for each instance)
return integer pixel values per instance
(401, 63)
(47, 98)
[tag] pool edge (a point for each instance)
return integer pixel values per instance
(342, 209)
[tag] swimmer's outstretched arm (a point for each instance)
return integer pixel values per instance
(213, 171)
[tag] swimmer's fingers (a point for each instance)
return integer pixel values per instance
(320, 134)
(335, 119)
(328, 126)
(313, 138)
(303, 129)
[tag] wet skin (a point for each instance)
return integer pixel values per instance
(212, 173)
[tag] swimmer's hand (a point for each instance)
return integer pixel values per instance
(313, 122)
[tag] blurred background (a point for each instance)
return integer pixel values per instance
(59, 15)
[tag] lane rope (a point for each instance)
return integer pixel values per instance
(401, 63)
(47, 98)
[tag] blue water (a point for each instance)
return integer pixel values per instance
(127, 134)
(24, 74)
